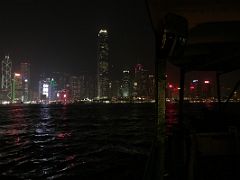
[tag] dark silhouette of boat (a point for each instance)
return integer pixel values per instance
(196, 36)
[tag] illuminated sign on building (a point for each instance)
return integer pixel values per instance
(45, 89)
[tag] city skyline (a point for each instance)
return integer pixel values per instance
(135, 84)
(58, 36)
(61, 36)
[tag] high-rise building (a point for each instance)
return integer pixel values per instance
(140, 81)
(44, 88)
(77, 87)
(74, 88)
(6, 79)
(207, 89)
(17, 89)
(193, 89)
(126, 85)
(62, 80)
(151, 86)
(25, 73)
(90, 86)
(63, 96)
(115, 89)
(47, 90)
(103, 65)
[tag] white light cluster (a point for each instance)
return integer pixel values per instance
(102, 31)
(45, 89)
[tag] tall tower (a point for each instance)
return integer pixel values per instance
(103, 65)
(25, 72)
(6, 81)
(126, 84)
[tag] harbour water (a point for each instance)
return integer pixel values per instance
(90, 141)
(78, 141)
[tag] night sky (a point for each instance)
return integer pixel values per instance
(56, 35)
(62, 35)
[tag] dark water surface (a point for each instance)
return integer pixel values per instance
(80, 141)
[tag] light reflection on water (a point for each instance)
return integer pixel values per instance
(47, 142)
(17, 127)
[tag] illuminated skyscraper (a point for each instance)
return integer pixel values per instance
(103, 65)
(126, 85)
(6, 79)
(90, 87)
(77, 87)
(25, 72)
(47, 90)
(62, 79)
(17, 93)
(140, 87)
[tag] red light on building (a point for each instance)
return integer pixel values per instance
(63, 96)
(206, 82)
(192, 87)
(170, 86)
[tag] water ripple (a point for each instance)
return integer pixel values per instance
(51, 142)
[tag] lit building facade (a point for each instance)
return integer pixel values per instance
(140, 82)
(6, 79)
(62, 80)
(63, 96)
(77, 87)
(115, 89)
(47, 90)
(25, 73)
(126, 85)
(103, 65)
(194, 90)
(17, 88)
(90, 86)
(200, 89)
(207, 89)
